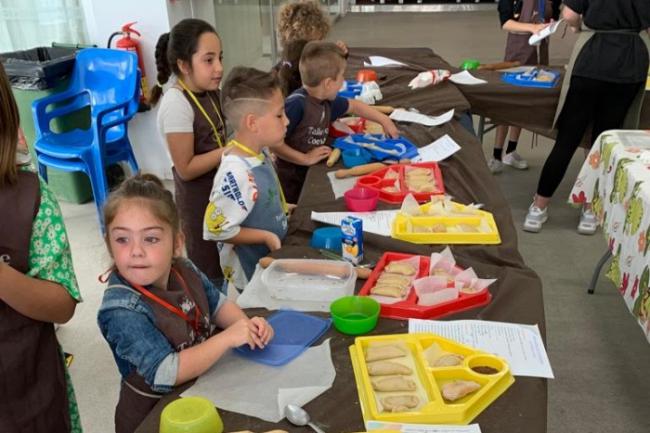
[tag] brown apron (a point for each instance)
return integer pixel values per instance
(136, 397)
(192, 197)
(311, 132)
(517, 46)
(33, 387)
(634, 112)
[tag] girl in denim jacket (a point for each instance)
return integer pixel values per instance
(160, 315)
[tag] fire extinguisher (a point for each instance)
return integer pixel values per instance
(129, 44)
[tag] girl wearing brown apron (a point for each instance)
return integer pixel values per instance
(192, 122)
(37, 289)
(521, 18)
(604, 86)
(160, 314)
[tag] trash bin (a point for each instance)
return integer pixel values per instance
(41, 72)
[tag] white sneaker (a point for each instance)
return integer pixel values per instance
(513, 159)
(535, 218)
(588, 222)
(495, 166)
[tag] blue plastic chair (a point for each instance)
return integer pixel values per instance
(107, 81)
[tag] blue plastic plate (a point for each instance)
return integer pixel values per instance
(352, 90)
(404, 146)
(529, 80)
(294, 333)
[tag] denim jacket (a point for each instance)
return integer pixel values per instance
(128, 324)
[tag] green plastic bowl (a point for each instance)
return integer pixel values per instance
(469, 64)
(355, 315)
(190, 415)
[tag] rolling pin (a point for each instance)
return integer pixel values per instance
(334, 156)
(358, 170)
(386, 109)
(362, 273)
(500, 65)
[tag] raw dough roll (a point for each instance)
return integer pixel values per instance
(388, 368)
(393, 383)
(400, 403)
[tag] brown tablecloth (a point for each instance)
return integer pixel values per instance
(517, 295)
(527, 107)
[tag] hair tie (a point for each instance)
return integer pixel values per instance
(287, 63)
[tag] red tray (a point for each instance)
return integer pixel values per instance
(409, 308)
(376, 181)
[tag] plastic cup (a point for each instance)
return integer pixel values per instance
(364, 75)
(328, 238)
(190, 415)
(355, 315)
(361, 199)
(469, 64)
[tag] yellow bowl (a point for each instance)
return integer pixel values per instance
(190, 415)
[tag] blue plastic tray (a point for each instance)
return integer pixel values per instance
(408, 149)
(528, 80)
(353, 90)
(294, 333)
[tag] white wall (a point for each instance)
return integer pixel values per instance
(104, 17)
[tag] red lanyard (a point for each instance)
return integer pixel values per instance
(197, 311)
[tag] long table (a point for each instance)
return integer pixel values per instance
(517, 295)
(527, 107)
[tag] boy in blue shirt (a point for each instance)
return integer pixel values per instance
(311, 109)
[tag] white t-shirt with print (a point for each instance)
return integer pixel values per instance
(232, 198)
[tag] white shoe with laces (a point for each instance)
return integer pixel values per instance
(588, 222)
(513, 159)
(495, 166)
(535, 218)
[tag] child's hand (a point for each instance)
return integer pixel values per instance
(272, 241)
(291, 207)
(317, 154)
(390, 128)
(243, 332)
(536, 28)
(263, 330)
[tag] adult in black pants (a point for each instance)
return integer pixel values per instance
(605, 86)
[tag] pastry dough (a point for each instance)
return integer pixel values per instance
(388, 368)
(393, 383)
(386, 290)
(448, 360)
(400, 403)
(418, 171)
(391, 174)
(458, 389)
(379, 352)
(400, 268)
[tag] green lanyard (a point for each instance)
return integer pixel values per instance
(205, 114)
(262, 158)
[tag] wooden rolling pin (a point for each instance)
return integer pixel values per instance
(362, 273)
(500, 65)
(334, 156)
(358, 170)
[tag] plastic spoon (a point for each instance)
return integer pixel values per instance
(298, 416)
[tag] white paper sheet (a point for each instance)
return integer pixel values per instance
(536, 38)
(340, 186)
(422, 428)
(520, 345)
(380, 61)
(401, 115)
(378, 222)
(439, 150)
(466, 78)
(238, 385)
(256, 295)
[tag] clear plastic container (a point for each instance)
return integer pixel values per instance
(309, 280)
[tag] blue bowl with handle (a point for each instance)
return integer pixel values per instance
(328, 238)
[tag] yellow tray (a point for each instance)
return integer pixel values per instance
(434, 410)
(400, 228)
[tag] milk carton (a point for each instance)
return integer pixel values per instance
(352, 239)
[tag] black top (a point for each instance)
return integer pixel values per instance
(619, 58)
(509, 8)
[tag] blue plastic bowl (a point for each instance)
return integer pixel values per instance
(328, 238)
(352, 158)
